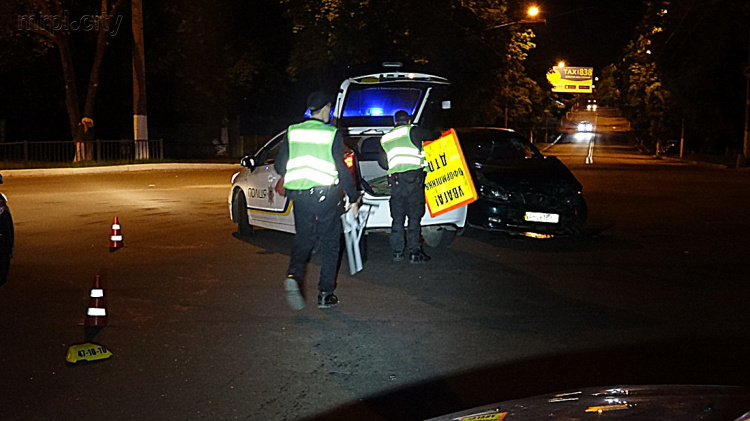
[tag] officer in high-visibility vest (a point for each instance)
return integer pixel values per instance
(406, 173)
(311, 160)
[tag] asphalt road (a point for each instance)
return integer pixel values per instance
(199, 329)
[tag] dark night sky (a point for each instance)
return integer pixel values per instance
(586, 33)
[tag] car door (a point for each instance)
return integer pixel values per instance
(263, 202)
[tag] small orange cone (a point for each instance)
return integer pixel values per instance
(96, 314)
(115, 239)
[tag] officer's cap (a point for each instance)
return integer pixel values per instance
(318, 100)
(401, 116)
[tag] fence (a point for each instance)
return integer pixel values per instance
(64, 151)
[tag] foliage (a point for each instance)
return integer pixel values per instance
(67, 26)
(685, 65)
(606, 89)
(645, 100)
(452, 38)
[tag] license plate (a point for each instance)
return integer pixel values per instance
(551, 218)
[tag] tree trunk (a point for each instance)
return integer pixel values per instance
(81, 124)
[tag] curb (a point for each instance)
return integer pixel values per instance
(114, 169)
(703, 163)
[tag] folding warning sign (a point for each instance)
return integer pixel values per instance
(448, 184)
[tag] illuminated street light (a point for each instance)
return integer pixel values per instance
(532, 12)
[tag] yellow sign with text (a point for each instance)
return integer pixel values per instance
(485, 417)
(447, 185)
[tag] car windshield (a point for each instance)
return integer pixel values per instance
(486, 146)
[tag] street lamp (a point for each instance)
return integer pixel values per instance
(532, 12)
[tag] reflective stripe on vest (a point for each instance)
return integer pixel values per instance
(311, 161)
(401, 152)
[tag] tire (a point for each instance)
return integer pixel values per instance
(240, 215)
(438, 237)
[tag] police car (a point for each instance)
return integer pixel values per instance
(363, 110)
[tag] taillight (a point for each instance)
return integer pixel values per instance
(349, 160)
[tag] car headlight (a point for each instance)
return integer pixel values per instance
(493, 193)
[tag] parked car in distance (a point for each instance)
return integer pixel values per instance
(520, 191)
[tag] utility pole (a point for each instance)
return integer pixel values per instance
(140, 117)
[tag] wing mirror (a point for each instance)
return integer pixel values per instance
(248, 162)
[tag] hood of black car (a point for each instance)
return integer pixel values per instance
(547, 171)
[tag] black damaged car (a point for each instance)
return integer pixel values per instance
(519, 190)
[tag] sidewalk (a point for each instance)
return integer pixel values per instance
(116, 168)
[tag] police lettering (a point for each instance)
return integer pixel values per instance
(259, 193)
(449, 196)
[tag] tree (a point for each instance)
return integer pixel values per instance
(701, 53)
(606, 90)
(645, 100)
(449, 37)
(51, 22)
(685, 65)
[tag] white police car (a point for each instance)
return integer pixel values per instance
(363, 110)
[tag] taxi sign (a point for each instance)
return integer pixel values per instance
(448, 184)
(571, 79)
(87, 352)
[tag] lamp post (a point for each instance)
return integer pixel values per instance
(531, 13)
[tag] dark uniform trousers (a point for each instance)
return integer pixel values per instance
(6, 243)
(316, 220)
(407, 199)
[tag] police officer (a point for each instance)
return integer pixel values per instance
(6, 238)
(406, 172)
(311, 160)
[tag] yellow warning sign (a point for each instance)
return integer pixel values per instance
(448, 184)
(87, 352)
(485, 417)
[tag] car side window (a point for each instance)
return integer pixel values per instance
(271, 153)
(267, 155)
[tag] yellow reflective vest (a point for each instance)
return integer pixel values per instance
(311, 161)
(401, 152)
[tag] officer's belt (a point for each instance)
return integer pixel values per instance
(317, 190)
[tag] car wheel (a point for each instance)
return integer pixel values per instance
(240, 212)
(438, 236)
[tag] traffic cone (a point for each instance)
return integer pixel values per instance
(115, 239)
(96, 314)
